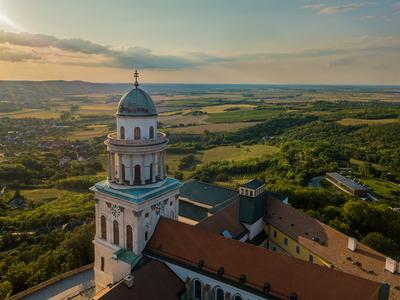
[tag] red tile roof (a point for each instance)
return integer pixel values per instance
(187, 245)
(225, 219)
(154, 280)
(331, 245)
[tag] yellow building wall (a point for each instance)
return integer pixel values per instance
(290, 248)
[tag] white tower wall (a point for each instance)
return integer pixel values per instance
(129, 124)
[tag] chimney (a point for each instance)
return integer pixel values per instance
(129, 281)
(352, 244)
(390, 265)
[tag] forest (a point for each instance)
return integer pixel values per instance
(52, 151)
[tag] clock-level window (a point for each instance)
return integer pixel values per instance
(103, 222)
(129, 242)
(116, 232)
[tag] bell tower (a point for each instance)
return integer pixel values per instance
(137, 190)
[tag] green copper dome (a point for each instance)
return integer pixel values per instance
(136, 103)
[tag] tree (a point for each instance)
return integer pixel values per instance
(5, 289)
(381, 243)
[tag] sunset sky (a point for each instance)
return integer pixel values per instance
(216, 41)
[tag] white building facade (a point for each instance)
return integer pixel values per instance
(137, 190)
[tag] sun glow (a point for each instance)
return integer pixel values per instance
(9, 23)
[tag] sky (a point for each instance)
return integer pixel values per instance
(202, 41)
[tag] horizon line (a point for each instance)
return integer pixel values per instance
(207, 83)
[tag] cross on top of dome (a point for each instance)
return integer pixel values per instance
(136, 76)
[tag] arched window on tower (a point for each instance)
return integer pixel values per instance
(197, 290)
(122, 133)
(218, 294)
(103, 226)
(151, 132)
(116, 232)
(129, 243)
(137, 174)
(137, 133)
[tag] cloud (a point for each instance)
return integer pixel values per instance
(17, 56)
(79, 45)
(396, 7)
(144, 58)
(131, 57)
(323, 9)
(19, 47)
(342, 62)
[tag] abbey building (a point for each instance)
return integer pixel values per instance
(158, 238)
(137, 192)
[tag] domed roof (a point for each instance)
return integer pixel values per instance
(136, 103)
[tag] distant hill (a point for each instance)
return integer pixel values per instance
(20, 91)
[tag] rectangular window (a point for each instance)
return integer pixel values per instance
(146, 215)
(297, 249)
(311, 258)
(146, 236)
(286, 241)
(102, 264)
(275, 233)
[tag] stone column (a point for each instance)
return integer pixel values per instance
(112, 167)
(188, 286)
(164, 164)
(120, 168)
(109, 166)
(142, 170)
(161, 162)
(207, 292)
(153, 169)
(130, 169)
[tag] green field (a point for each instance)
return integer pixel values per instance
(31, 113)
(384, 189)
(354, 122)
(42, 194)
(242, 116)
(216, 127)
(234, 153)
(91, 131)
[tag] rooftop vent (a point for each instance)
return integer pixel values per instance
(390, 265)
(267, 288)
(129, 281)
(352, 244)
(201, 263)
(221, 271)
(242, 279)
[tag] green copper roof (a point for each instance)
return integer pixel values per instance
(125, 255)
(191, 211)
(207, 194)
(136, 103)
(137, 195)
(252, 209)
